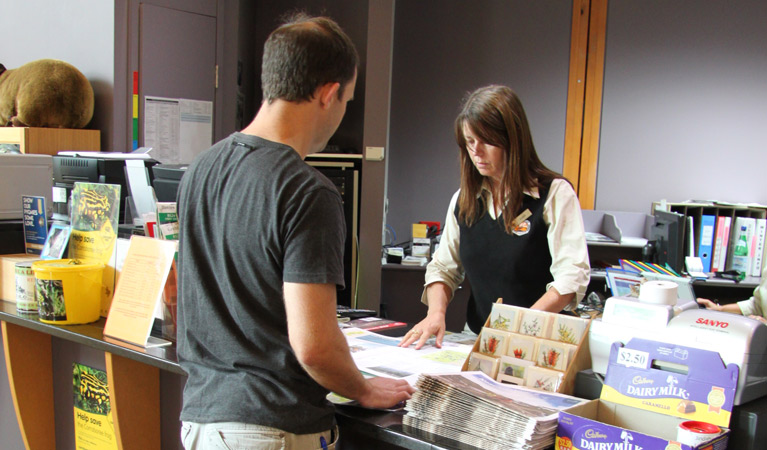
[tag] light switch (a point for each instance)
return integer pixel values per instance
(374, 153)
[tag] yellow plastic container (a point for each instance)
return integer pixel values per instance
(68, 291)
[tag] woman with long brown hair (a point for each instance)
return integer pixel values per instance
(514, 227)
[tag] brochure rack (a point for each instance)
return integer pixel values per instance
(580, 360)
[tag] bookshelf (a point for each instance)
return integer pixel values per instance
(628, 232)
(727, 218)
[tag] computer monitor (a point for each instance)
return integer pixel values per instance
(667, 234)
(166, 180)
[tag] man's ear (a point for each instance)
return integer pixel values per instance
(326, 93)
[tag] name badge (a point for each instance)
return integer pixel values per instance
(521, 224)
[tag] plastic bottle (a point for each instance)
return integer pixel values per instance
(741, 247)
(740, 252)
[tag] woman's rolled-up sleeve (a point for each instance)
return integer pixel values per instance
(567, 242)
(445, 265)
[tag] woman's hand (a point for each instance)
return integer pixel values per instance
(432, 325)
(759, 318)
(709, 304)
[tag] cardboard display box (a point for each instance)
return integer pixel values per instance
(600, 424)
(650, 388)
(8, 274)
(50, 141)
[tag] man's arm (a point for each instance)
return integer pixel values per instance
(321, 348)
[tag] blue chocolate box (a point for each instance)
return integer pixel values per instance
(650, 388)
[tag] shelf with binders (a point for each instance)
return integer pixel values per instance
(725, 236)
(615, 235)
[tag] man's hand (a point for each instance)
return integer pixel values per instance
(382, 392)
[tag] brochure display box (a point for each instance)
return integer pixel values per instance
(532, 348)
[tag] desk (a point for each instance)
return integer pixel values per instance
(722, 290)
(376, 430)
(135, 390)
(363, 429)
(401, 289)
(134, 384)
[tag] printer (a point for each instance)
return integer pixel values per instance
(70, 167)
(24, 174)
(737, 339)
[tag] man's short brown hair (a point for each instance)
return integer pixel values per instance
(303, 54)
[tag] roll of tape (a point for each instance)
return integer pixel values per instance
(658, 292)
(693, 433)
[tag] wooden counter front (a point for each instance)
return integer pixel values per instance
(133, 373)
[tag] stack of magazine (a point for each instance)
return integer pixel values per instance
(474, 409)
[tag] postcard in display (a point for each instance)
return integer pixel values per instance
(508, 379)
(571, 349)
(167, 220)
(522, 347)
(514, 367)
(484, 363)
(505, 317)
(535, 323)
(493, 342)
(552, 354)
(543, 378)
(568, 329)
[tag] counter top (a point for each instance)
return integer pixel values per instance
(92, 335)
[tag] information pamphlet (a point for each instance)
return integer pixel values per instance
(94, 427)
(138, 291)
(35, 223)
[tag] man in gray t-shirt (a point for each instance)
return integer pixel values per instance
(261, 256)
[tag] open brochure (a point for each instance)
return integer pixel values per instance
(379, 355)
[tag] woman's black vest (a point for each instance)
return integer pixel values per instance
(515, 267)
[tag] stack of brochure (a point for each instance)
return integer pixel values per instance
(474, 409)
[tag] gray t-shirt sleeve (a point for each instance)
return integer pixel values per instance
(314, 232)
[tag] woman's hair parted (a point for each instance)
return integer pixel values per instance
(495, 116)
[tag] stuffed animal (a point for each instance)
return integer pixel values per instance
(45, 93)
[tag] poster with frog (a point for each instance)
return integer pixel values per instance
(94, 427)
(94, 219)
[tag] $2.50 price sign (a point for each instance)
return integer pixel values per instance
(633, 358)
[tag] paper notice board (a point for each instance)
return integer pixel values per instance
(138, 291)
